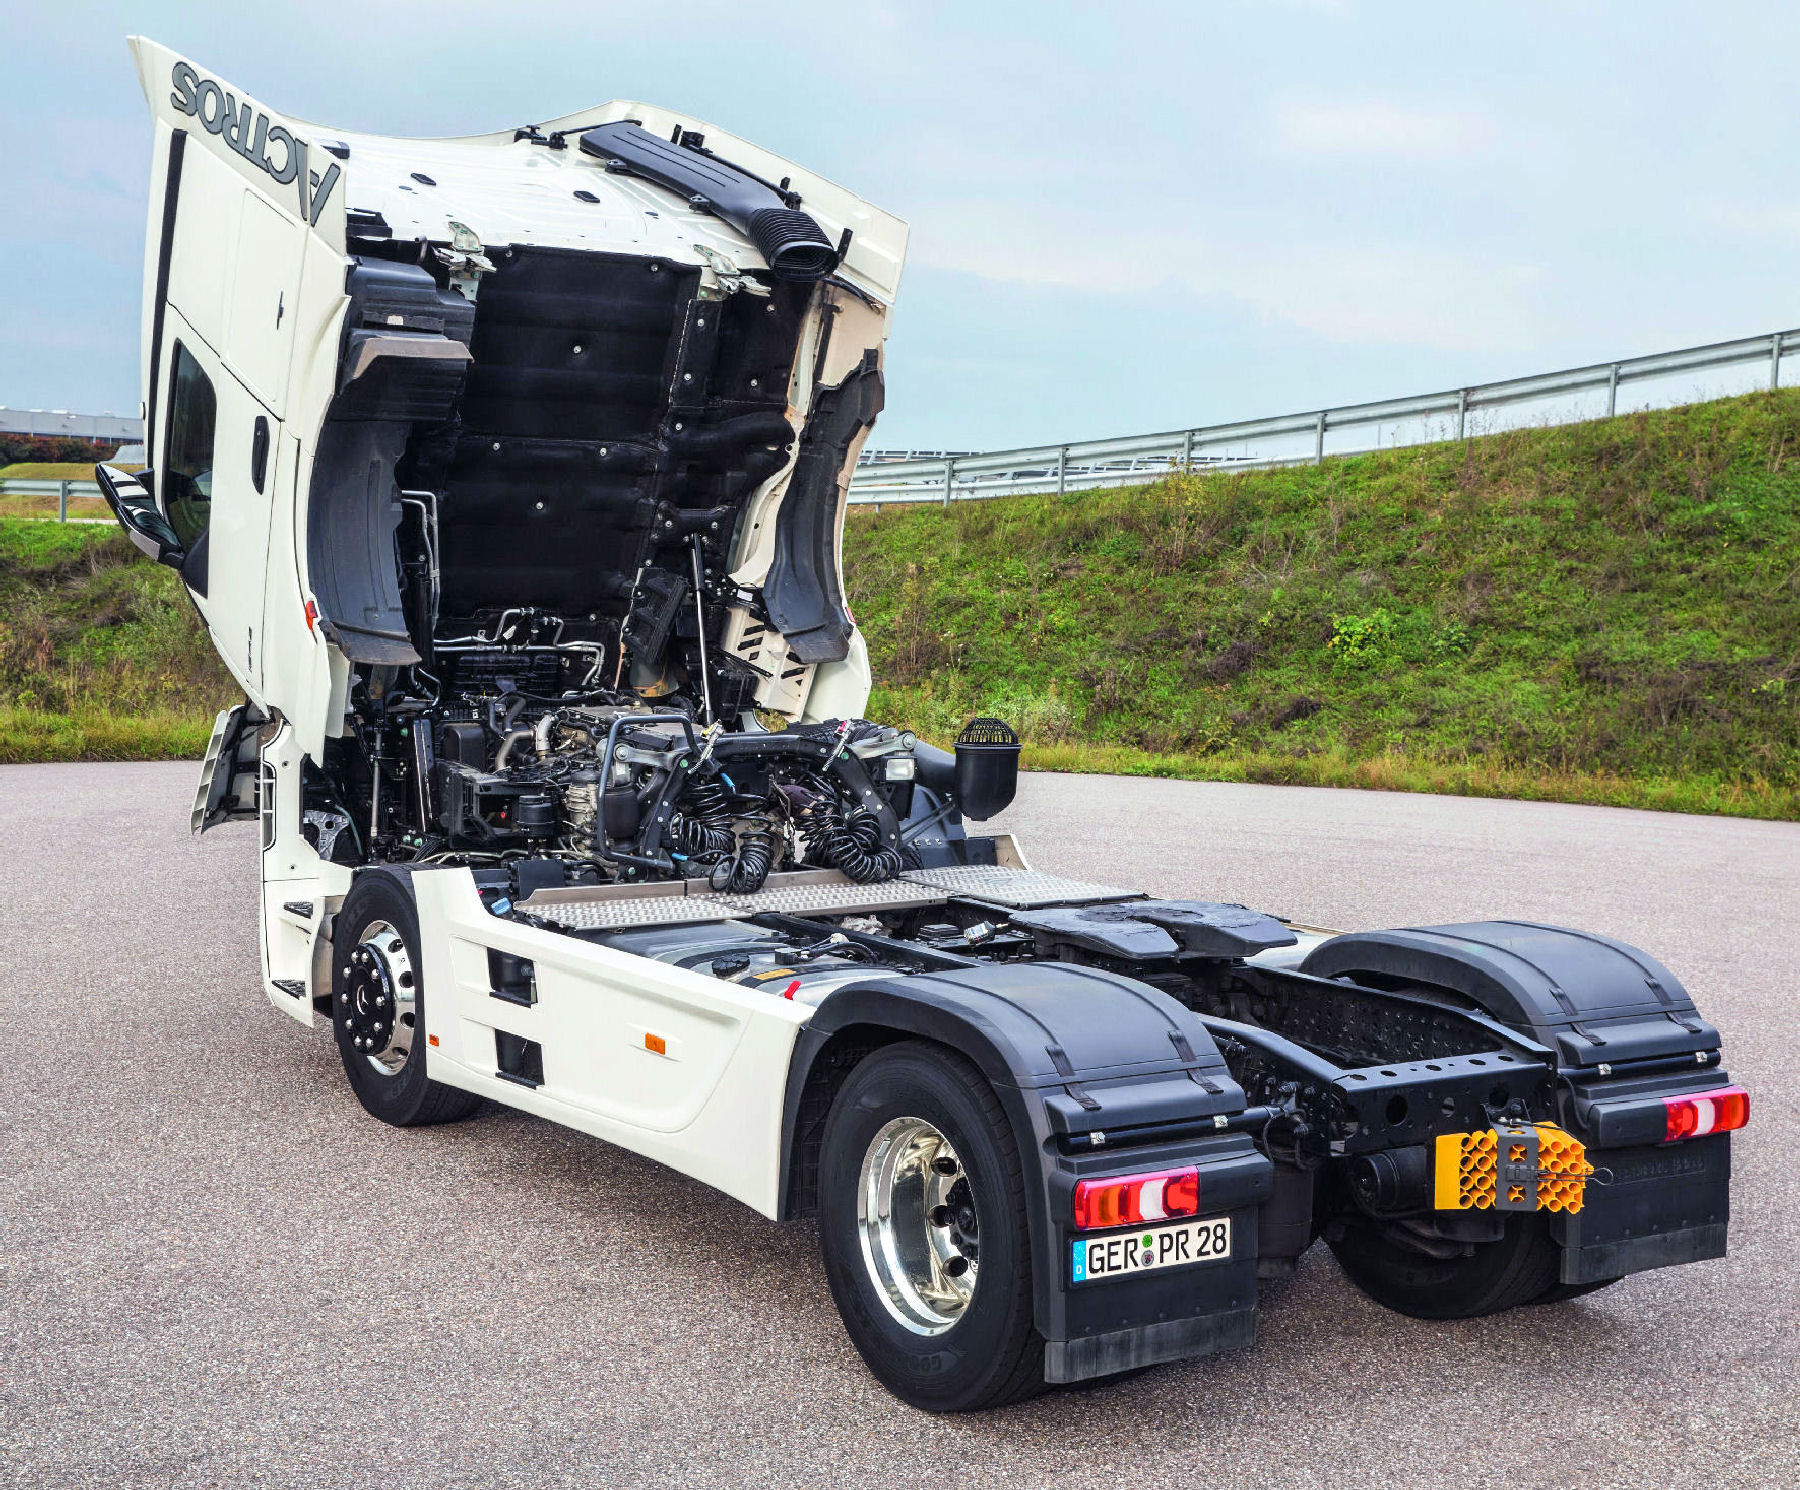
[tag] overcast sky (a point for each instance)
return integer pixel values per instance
(1125, 217)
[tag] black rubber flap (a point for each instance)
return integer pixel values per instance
(1546, 979)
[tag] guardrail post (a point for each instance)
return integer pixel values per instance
(1187, 451)
(1062, 471)
(1319, 440)
(949, 479)
(1612, 391)
(62, 503)
(1462, 411)
(1774, 362)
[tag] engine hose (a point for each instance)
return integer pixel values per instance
(702, 828)
(853, 844)
(745, 872)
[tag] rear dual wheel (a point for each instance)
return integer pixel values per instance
(1522, 1267)
(922, 1225)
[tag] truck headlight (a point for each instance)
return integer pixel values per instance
(900, 768)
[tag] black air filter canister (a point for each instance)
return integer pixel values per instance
(987, 768)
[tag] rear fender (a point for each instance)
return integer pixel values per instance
(1625, 1034)
(1593, 1000)
(1069, 1051)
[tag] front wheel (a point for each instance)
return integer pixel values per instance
(378, 1008)
(922, 1225)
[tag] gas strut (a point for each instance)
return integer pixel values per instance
(700, 630)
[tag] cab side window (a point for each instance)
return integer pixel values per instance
(187, 465)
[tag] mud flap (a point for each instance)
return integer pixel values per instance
(1659, 1205)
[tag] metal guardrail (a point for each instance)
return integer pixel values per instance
(945, 476)
(1293, 439)
(61, 490)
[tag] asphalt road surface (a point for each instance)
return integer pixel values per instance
(215, 1270)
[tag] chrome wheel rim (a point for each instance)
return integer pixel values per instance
(380, 998)
(917, 1219)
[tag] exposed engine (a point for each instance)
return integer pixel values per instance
(484, 769)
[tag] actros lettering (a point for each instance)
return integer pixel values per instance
(255, 136)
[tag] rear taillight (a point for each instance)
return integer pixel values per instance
(1701, 1113)
(1128, 1199)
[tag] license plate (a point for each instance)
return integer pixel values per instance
(1095, 1258)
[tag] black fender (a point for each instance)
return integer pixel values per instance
(1069, 1050)
(1625, 1034)
(1591, 999)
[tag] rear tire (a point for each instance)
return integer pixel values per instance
(1517, 1269)
(378, 998)
(924, 1234)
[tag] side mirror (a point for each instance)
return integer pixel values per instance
(137, 513)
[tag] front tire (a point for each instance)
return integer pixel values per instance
(923, 1229)
(378, 1008)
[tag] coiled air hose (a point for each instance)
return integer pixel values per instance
(745, 872)
(853, 844)
(702, 828)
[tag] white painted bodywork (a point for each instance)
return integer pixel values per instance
(256, 293)
(710, 1107)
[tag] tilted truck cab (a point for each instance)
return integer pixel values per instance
(508, 474)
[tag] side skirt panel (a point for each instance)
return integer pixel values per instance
(708, 1104)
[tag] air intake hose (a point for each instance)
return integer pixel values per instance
(794, 246)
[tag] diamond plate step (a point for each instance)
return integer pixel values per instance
(814, 893)
(807, 893)
(1018, 889)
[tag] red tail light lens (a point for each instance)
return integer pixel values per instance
(1128, 1199)
(1701, 1113)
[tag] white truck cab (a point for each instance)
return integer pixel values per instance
(508, 474)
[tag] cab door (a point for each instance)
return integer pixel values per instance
(217, 451)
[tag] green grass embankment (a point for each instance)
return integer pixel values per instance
(1606, 612)
(101, 655)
